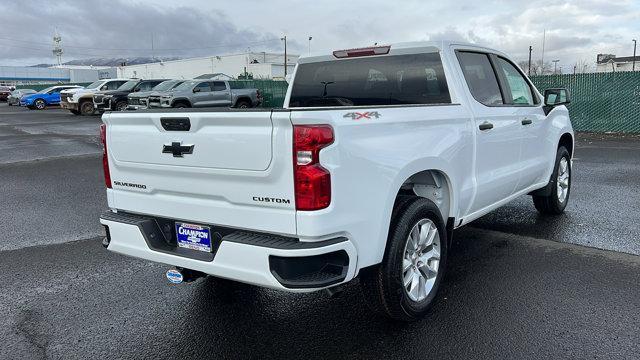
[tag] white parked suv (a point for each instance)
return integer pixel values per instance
(377, 156)
(80, 101)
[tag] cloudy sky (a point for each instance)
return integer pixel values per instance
(575, 30)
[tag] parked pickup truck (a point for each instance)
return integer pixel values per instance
(377, 156)
(79, 101)
(206, 93)
(139, 100)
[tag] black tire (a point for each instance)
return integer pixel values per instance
(552, 204)
(39, 104)
(180, 105)
(243, 104)
(86, 108)
(75, 112)
(121, 105)
(382, 285)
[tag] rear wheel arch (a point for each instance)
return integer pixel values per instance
(431, 184)
(243, 99)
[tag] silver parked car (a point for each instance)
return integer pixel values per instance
(14, 98)
(206, 93)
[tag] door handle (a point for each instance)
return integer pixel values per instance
(485, 126)
(526, 121)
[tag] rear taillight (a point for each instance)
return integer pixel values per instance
(105, 158)
(312, 181)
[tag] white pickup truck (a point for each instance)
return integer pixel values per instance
(377, 156)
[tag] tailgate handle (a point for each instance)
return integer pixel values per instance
(176, 124)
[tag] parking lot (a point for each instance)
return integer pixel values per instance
(519, 285)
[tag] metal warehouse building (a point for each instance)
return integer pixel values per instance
(260, 65)
(17, 75)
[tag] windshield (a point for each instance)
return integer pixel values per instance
(129, 85)
(167, 85)
(380, 80)
(44, 91)
(95, 84)
(187, 85)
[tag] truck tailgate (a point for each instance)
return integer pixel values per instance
(227, 168)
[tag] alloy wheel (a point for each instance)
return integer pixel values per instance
(421, 260)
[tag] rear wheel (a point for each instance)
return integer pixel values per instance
(39, 104)
(86, 108)
(243, 104)
(556, 201)
(404, 286)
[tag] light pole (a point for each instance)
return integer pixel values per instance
(555, 65)
(530, 50)
(285, 54)
(310, 37)
(633, 66)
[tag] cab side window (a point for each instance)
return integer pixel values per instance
(114, 85)
(480, 77)
(203, 86)
(219, 86)
(518, 87)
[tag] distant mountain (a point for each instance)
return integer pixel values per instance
(113, 61)
(118, 61)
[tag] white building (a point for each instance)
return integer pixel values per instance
(611, 63)
(16, 75)
(261, 65)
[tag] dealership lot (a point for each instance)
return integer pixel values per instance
(517, 282)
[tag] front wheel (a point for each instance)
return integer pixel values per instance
(121, 106)
(86, 108)
(560, 183)
(39, 104)
(404, 286)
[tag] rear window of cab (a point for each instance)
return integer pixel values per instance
(414, 79)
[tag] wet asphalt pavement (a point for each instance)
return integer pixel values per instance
(510, 292)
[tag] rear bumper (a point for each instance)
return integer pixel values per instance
(260, 259)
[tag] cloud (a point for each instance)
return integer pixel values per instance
(121, 29)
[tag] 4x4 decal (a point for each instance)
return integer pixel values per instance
(362, 115)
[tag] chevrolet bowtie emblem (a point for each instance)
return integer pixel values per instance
(177, 149)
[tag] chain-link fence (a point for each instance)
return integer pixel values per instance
(600, 102)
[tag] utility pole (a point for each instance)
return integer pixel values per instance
(285, 54)
(530, 50)
(633, 67)
(555, 66)
(544, 39)
(310, 37)
(153, 55)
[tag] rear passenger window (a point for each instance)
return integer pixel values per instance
(219, 86)
(519, 89)
(370, 81)
(480, 77)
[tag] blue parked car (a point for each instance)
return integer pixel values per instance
(43, 98)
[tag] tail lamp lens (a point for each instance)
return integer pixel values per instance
(105, 158)
(312, 181)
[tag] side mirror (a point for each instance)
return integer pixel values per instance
(196, 90)
(555, 97)
(103, 88)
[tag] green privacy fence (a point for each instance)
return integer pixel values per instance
(273, 91)
(600, 102)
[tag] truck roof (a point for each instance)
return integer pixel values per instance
(401, 47)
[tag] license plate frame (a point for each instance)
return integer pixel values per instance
(193, 236)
